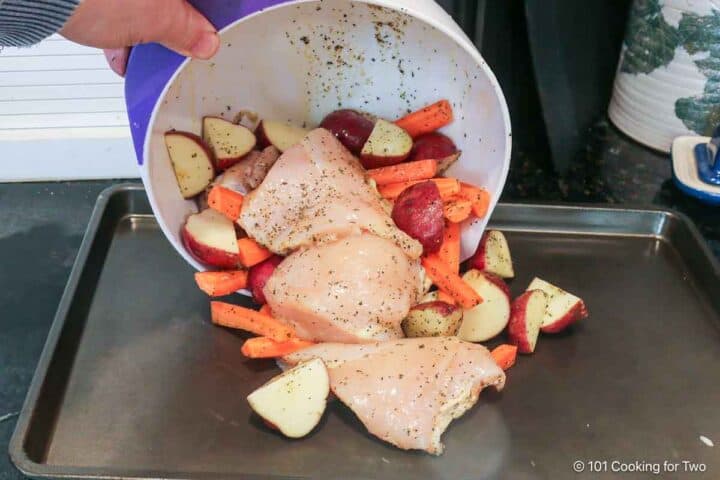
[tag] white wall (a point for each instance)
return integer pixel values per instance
(62, 115)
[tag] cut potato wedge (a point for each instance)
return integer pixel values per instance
(432, 319)
(191, 161)
(526, 317)
(228, 141)
(563, 308)
(281, 135)
(493, 255)
(388, 144)
(210, 236)
(488, 319)
(294, 401)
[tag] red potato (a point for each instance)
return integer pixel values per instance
(258, 277)
(435, 146)
(493, 255)
(228, 141)
(350, 127)
(210, 237)
(487, 319)
(526, 316)
(191, 160)
(387, 145)
(294, 401)
(279, 134)
(563, 308)
(418, 211)
(432, 319)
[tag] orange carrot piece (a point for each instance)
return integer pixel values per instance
(226, 201)
(479, 197)
(404, 172)
(251, 253)
(504, 355)
(444, 297)
(235, 316)
(427, 119)
(217, 284)
(264, 347)
(449, 187)
(457, 210)
(450, 282)
(450, 248)
(265, 310)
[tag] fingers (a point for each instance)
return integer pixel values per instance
(117, 59)
(184, 30)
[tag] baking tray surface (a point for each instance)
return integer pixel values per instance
(135, 383)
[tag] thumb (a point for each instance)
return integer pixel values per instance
(186, 31)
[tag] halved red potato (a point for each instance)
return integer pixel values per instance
(418, 211)
(228, 141)
(388, 144)
(210, 237)
(526, 316)
(351, 127)
(489, 318)
(563, 308)
(432, 319)
(493, 255)
(279, 134)
(258, 277)
(191, 161)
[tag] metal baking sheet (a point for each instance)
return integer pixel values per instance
(135, 383)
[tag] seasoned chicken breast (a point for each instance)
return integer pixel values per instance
(316, 193)
(406, 392)
(357, 289)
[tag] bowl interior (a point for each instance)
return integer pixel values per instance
(298, 62)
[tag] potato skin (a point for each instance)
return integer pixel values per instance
(350, 127)
(432, 319)
(258, 277)
(434, 146)
(418, 211)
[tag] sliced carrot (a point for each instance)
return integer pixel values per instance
(450, 248)
(457, 210)
(235, 316)
(450, 282)
(404, 172)
(217, 284)
(226, 201)
(427, 119)
(265, 310)
(479, 197)
(504, 355)
(251, 253)
(444, 297)
(264, 347)
(449, 187)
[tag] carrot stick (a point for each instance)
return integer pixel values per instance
(251, 253)
(450, 282)
(217, 284)
(444, 297)
(427, 119)
(404, 172)
(265, 310)
(504, 355)
(226, 201)
(264, 347)
(457, 210)
(450, 248)
(449, 187)
(479, 197)
(235, 316)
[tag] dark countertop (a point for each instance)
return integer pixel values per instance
(42, 224)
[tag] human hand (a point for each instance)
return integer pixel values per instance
(116, 25)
